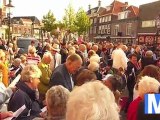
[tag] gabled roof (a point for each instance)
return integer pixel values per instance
(134, 9)
(32, 18)
(116, 7)
(95, 10)
(26, 20)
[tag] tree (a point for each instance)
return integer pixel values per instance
(69, 19)
(82, 21)
(49, 21)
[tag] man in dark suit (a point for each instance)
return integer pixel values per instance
(62, 75)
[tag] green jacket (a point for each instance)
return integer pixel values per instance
(45, 78)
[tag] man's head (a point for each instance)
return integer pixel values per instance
(133, 58)
(73, 63)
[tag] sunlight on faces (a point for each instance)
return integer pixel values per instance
(74, 66)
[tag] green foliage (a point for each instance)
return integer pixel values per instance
(70, 18)
(49, 21)
(82, 21)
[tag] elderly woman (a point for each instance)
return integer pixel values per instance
(145, 86)
(56, 100)
(46, 74)
(85, 76)
(3, 69)
(94, 67)
(32, 57)
(26, 93)
(92, 101)
(113, 84)
(148, 59)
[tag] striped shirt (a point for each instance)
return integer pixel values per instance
(33, 59)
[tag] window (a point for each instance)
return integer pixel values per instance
(108, 8)
(109, 29)
(99, 31)
(149, 23)
(100, 20)
(129, 29)
(109, 18)
(95, 20)
(116, 29)
(94, 30)
(91, 21)
(123, 15)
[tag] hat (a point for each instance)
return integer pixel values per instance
(55, 47)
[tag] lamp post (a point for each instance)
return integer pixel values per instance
(9, 6)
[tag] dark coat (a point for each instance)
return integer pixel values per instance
(142, 116)
(24, 96)
(147, 61)
(61, 76)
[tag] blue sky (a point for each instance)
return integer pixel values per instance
(40, 7)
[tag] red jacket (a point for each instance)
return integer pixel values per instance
(132, 110)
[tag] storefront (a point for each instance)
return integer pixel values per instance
(148, 39)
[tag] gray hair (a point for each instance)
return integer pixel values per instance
(56, 98)
(30, 71)
(94, 102)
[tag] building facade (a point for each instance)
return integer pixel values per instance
(149, 23)
(117, 22)
(3, 15)
(93, 14)
(26, 26)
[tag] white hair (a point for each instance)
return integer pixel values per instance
(47, 55)
(93, 66)
(92, 101)
(148, 85)
(30, 71)
(94, 58)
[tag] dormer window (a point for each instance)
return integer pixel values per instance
(123, 15)
(108, 8)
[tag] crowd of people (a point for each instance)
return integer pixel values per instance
(78, 81)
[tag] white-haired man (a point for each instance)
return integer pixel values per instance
(119, 58)
(46, 74)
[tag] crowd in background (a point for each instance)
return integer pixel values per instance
(78, 81)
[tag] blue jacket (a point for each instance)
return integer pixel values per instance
(24, 96)
(61, 76)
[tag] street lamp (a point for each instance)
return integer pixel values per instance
(9, 6)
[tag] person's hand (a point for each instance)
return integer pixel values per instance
(6, 114)
(13, 89)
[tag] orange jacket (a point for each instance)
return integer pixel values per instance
(4, 71)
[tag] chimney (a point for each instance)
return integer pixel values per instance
(126, 3)
(99, 3)
(89, 6)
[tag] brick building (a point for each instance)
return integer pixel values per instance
(148, 32)
(93, 14)
(28, 26)
(117, 22)
(3, 14)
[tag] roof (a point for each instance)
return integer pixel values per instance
(26, 20)
(32, 18)
(116, 7)
(95, 10)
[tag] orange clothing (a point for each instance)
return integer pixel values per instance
(4, 71)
